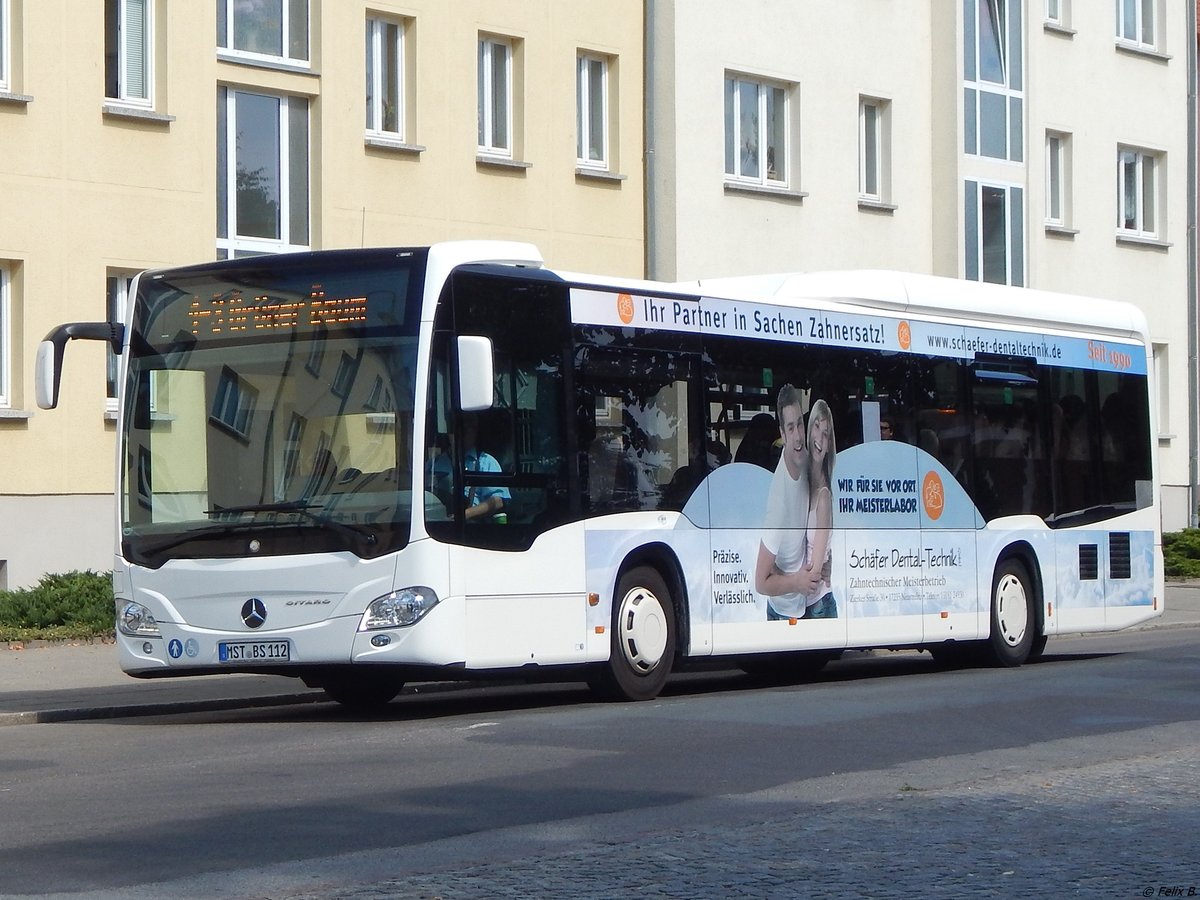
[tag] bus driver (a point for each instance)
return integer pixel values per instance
(484, 503)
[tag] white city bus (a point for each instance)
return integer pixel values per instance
(369, 467)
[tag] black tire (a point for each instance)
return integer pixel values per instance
(1038, 647)
(1014, 614)
(790, 667)
(642, 638)
(363, 691)
(953, 654)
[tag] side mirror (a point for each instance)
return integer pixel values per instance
(475, 373)
(47, 367)
(47, 370)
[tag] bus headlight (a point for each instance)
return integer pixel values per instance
(135, 620)
(399, 608)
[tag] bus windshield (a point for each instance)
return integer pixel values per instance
(268, 409)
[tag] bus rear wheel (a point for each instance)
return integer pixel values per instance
(642, 645)
(1014, 616)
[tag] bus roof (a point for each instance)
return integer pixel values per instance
(910, 293)
(898, 292)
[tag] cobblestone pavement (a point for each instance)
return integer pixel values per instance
(1114, 829)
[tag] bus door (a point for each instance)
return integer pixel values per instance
(1011, 470)
(760, 512)
(644, 456)
(504, 487)
(950, 579)
(1012, 476)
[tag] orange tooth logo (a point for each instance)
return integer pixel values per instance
(625, 308)
(904, 335)
(933, 496)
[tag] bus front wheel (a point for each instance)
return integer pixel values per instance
(1014, 618)
(642, 638)
(362, 691)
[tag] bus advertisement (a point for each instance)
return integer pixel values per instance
(364, 468)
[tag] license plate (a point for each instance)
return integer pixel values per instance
(254, 651)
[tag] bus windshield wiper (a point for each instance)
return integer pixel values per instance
(222, 529)
(300, 507)
(171, 543)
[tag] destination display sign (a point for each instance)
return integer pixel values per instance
(231, 314)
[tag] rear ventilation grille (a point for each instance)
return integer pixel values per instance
(1118, 555)
(1089, 562)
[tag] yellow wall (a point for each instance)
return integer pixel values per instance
(85, 193)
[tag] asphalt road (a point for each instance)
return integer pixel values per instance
(884, 777)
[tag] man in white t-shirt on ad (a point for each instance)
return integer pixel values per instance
(780, 574)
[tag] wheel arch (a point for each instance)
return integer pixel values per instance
(662, 558)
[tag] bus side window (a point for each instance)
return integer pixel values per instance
(643, 405)
(943, 428)
(1100, 433)
(1010, 462)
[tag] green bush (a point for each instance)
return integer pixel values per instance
(1181, 553)
(69, 605)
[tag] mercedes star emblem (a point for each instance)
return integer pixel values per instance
(254, 613)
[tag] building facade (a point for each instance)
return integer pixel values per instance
(183, 132)
(1042, 143)
(1032, 142)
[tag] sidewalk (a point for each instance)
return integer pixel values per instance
(62, 682)
(66, 682)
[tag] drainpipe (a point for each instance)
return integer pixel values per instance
(1192, 299)
(648, 83)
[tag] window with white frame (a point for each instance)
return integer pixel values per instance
(6, 345)
(116, 300)
(5, 78)
(1162, 359)
(262, 173)
(321, 464)
(1137, 23)
(874, 142)
(994, 230)
(375, 395)
(270, 30)
(756, 130)
(316, 351)
(495, 90)
(1058, 178)
(591, 111)
(1137, 192)
(385, 77)
(1058, 12)
(291, 453)
(993, 92)
(128, 51)
(234, 402)
(345, 376)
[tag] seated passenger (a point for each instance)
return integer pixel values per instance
(760, 443)
(688, 476)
